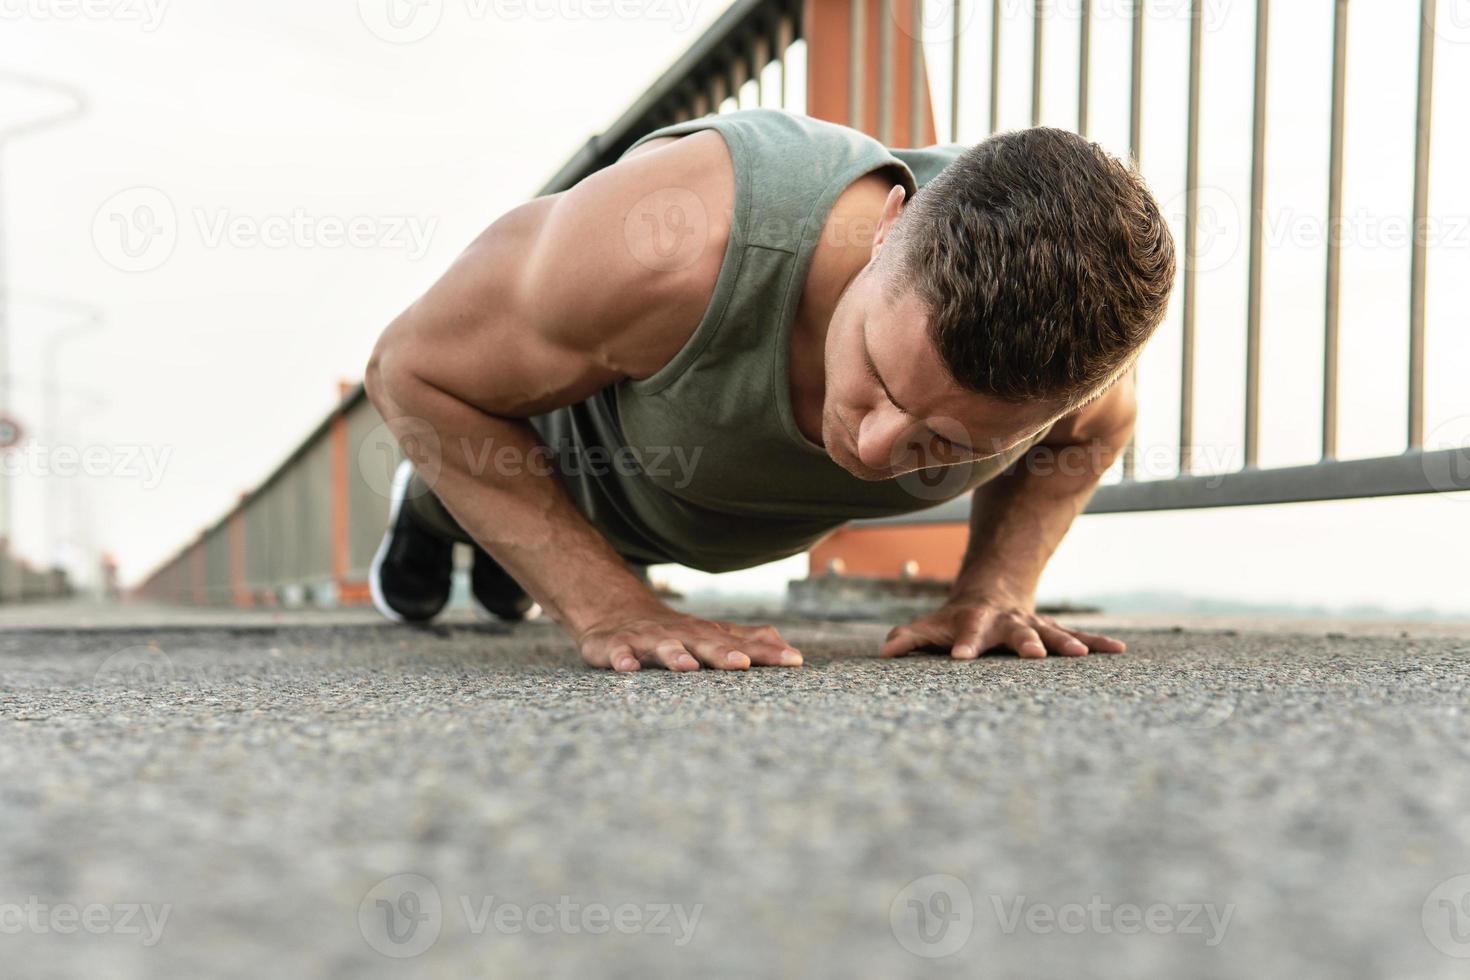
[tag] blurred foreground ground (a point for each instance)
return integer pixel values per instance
(189, 794)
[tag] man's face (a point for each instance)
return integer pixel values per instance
(890, 407)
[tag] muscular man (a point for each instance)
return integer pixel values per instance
(751, 329)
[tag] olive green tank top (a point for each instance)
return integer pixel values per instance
(702, 463)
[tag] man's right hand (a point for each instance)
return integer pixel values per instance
(662, 637)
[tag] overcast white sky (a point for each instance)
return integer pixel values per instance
(210, 366)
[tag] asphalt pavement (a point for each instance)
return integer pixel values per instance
(187, 795)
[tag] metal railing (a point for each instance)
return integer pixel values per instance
(310, 529)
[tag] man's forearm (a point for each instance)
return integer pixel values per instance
(1018, 519)
(499, 482)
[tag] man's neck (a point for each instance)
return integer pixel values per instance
(841, 253)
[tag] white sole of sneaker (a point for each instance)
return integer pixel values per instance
(401, 477)
(486, 615)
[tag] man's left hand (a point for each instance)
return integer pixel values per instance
(970, 626)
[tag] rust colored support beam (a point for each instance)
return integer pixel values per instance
(239, 592)
(197, 574)
(885, 552)
(827, 29)
(341, 559)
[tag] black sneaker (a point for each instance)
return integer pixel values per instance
(410, 575)
(494, 593)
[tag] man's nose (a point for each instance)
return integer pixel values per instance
(883, 437)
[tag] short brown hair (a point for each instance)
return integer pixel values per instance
(1043, 261)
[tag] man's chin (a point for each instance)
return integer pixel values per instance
(862, 472)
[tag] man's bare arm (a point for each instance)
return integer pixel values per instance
(550, 304)
(1017, 521)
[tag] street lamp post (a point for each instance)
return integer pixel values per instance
(27, 128)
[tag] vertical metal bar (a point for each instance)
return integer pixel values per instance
(1334, 225)
(759, 59)
(1038, 25)
(1135, 150)
(1190, 298)
(857, 63)
(954, 71)
(785, 33)
(1418, 271)
(995, 65)
(918, 81)
(738, 78)
(1084, 66)
(717, 93)
(1257, 234)
(1135, 101)
(885, 72)
(701, 107)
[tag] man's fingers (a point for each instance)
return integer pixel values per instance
(901, 640)
(720, 656)
(967, 645)
(773, 654)
(1099, 643)
(622, 659)
(673, 655)
(1063, 642)
(1026, 642)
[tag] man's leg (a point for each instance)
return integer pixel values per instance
(412, 573)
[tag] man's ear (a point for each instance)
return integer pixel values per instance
(892, 208)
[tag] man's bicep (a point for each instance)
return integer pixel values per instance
(1105, 418)
(485, 333)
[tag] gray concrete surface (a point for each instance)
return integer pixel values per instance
(234, 796)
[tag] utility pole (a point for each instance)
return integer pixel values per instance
(29, 127)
